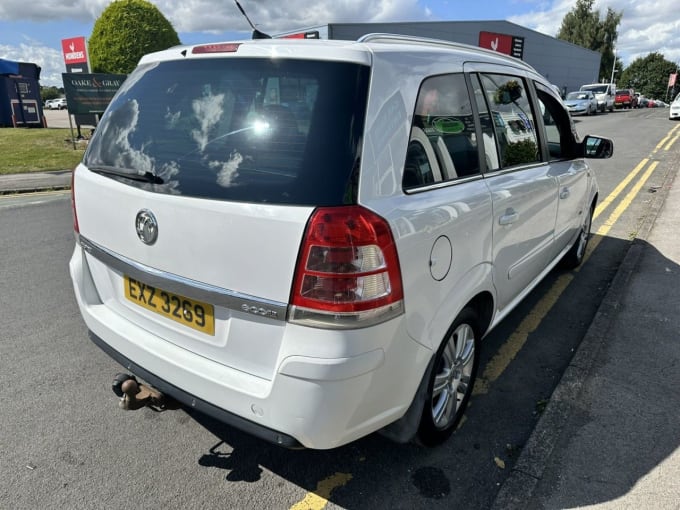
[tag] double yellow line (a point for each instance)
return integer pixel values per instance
(516, 341)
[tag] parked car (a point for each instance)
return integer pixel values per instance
(56, 104)
(604, 92)
(624, 99)
(308, 239)
(581, 103)
(674, 111)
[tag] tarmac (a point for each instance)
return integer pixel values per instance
(609, 437)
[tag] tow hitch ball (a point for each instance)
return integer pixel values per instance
(134, 395)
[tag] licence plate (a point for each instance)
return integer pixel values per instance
(194, 314)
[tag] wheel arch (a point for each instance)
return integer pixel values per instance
(483, 305)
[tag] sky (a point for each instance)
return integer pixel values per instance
(31, 31)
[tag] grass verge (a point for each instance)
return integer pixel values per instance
(27, 150)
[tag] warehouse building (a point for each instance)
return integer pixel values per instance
(562, 63)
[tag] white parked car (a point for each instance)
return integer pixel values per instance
(674, 111)
(56, 104)
(308, 239)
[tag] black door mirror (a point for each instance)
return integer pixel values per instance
(597, 147)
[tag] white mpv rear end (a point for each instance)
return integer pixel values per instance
(279, 233)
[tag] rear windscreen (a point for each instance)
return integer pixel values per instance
(253, 130)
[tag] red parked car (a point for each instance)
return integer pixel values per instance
(625, 98)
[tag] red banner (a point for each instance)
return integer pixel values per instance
(671, 80)
(74, 50)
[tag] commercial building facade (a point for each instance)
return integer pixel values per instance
(562, 63)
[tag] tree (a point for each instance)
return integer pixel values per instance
(49, 93)
(125, 31)
(582, 26)
(649, 75)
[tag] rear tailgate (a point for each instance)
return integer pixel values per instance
(239, 249)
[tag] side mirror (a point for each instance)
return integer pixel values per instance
(597, 147)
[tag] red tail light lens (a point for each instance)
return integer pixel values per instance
(348, 265)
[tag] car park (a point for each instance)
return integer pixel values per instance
(313, 281)
(674, 110)
(581, 103)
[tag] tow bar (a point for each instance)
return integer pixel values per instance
(135, 395)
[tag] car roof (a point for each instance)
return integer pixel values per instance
(361, 51)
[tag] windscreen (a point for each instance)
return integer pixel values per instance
(252, 130)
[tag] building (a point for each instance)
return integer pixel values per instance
(20, 101)
(564, 64)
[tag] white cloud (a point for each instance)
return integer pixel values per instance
(645, 27)
(50, 60)
(51, 10)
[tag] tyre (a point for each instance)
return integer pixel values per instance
(577, 252)
(453, 376)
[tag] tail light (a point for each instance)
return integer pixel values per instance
(348, 272)
(73, 202)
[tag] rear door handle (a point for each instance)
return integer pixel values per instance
(508, 218)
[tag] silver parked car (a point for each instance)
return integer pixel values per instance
(308, 239)
(581, 102)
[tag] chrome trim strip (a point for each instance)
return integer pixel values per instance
(346, 320)
(185, 286)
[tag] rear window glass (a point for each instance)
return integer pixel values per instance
(252, 130)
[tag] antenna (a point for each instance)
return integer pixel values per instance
(256, 33)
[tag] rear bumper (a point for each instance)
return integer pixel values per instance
(194, 403)
(327, 388)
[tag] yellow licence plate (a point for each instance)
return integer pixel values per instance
(194, 314)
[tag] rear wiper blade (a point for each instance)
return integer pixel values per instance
(145, 177)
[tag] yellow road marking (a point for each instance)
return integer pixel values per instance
(622, 185)
(318, 499)
(516, 341)
(614, 216)
(670, 144)
(666, 138)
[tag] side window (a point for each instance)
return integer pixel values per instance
(557, 125)
(513, 119)
(443, 145)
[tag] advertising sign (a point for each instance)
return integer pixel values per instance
(503, 43)
(74, 51)
(671, 80)
(90, 93)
